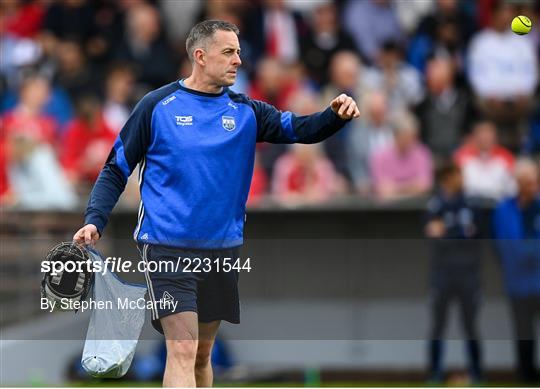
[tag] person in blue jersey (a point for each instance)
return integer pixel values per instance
(453, 228)
(516, 229)
(194, 141)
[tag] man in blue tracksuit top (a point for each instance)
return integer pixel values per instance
(516, 225)
(194, 141)
(453, 226)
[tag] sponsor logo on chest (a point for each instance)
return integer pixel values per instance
(184, 120)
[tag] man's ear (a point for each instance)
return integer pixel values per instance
(199, 55)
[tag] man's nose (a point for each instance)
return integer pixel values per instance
(237, 60)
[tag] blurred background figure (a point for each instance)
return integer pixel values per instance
(325, 38)
(345, 77)
(451, 224)
(86, 144)
(274, 85)
(503, 85)
(118, 100)
(487, 166)
(28, 115)
(443, 34)
(36, 179)
(282, 31)
(304, 175)
(446, 112)
(368, 136)
(400, 81)
(69, 19)
(33, 177)
(145, 47)
(371, 23)
(403, 169)
(74, 74)
(516, 226)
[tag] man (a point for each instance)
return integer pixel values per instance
(403, 169)
(516, 224)
(194, 140)
(486, 165)
(446, 111)
(452, 225)
(503, 87)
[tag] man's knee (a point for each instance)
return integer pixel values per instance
(184, 351)
(204, 353)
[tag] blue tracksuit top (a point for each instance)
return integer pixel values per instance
(518, 246)
(195, 153)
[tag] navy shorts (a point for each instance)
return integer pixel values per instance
(181, 280)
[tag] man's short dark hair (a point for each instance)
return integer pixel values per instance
(205, 30)
(446, 170)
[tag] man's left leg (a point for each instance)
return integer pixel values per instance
(204, 375)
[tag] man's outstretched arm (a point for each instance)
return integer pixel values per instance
(285, 127)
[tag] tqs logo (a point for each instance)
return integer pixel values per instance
(184, 120)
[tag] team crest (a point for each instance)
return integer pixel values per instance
(228, 123)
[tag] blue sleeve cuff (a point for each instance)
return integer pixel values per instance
(333, 118)
(99, 221)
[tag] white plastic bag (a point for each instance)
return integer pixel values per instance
(113, 333)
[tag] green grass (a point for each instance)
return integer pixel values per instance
(350, 384)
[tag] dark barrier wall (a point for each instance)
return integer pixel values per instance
(339, 252)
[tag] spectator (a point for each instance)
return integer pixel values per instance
(345, 72)
(119, 87)
(274, 86)
(145, 47)
(304, 175)
(403, 169)
(516, 224)
(410, 13)
(74, 73)
(372, 134)
(444, 33)
(345, 75)
(371, 23)
(178, 17)
(86, 144)
(452, 224)
(27, 116)
(32, 176)
(22, 19)
(57, 103)
(401, 82)
(325, 39)
(446, 111)
(282, 31)
(503, 85)
(35, 177)
(487, 166)
(70, 19)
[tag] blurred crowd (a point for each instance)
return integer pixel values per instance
(436, 80)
